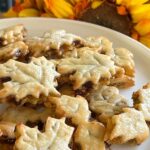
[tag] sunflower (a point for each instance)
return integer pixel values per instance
(138, 10)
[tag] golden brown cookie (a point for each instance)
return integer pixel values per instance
(127, 126)
(17, 114)
(33, 79)
(124, 58)
(90, 135)
(57, 135)
(12, 34)
(141, 99)
(16, 50)
(53, 43)
(106, 102)
(75, 108)
(90, 66)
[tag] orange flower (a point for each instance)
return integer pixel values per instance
(60, 8)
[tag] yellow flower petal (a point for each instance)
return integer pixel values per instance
(130, 3)
(143, 27)
(96, 4)
(140, 12)
(29, 13)
(60, 8)
(145, 40)
(10, 13)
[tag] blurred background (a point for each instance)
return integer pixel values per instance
(130, 17)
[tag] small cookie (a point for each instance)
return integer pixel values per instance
(90, 66)
(14, 50)
(53, 43)
(90, 136)
(12, 34)
(127, 126)
(124, 58)
(57, 136)
(106, 101)
(123, 82)
(16, 114)
(125, 68)
(75, 108)
(141, 99)
(33, 79)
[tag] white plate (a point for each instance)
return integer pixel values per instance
(36, 26)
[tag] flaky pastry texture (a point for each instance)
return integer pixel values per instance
(35, 78)
(57, 135)
(90, 136)
(130, 125)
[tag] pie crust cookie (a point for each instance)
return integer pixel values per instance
(12, 34)
(16, 50)
(53, 44)
(123, 59)
(90, 135)
(32, 79)
(141, 99)
(43, 78)
(57, 136)
(106, 101)
(130, 125)
(14, 115)
(88, 67)
(75, 108)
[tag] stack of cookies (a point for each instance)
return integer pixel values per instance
(61, 92)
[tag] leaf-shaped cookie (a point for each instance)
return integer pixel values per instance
(90, 136)
(124, 58)
(12, 34)
(130, 125)
(18, 114)
(57, 136)
(53, 43)
(75, 108)
(13, 51)
(106, 101)
(35, 78)
(141, 99)
(90, 66)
